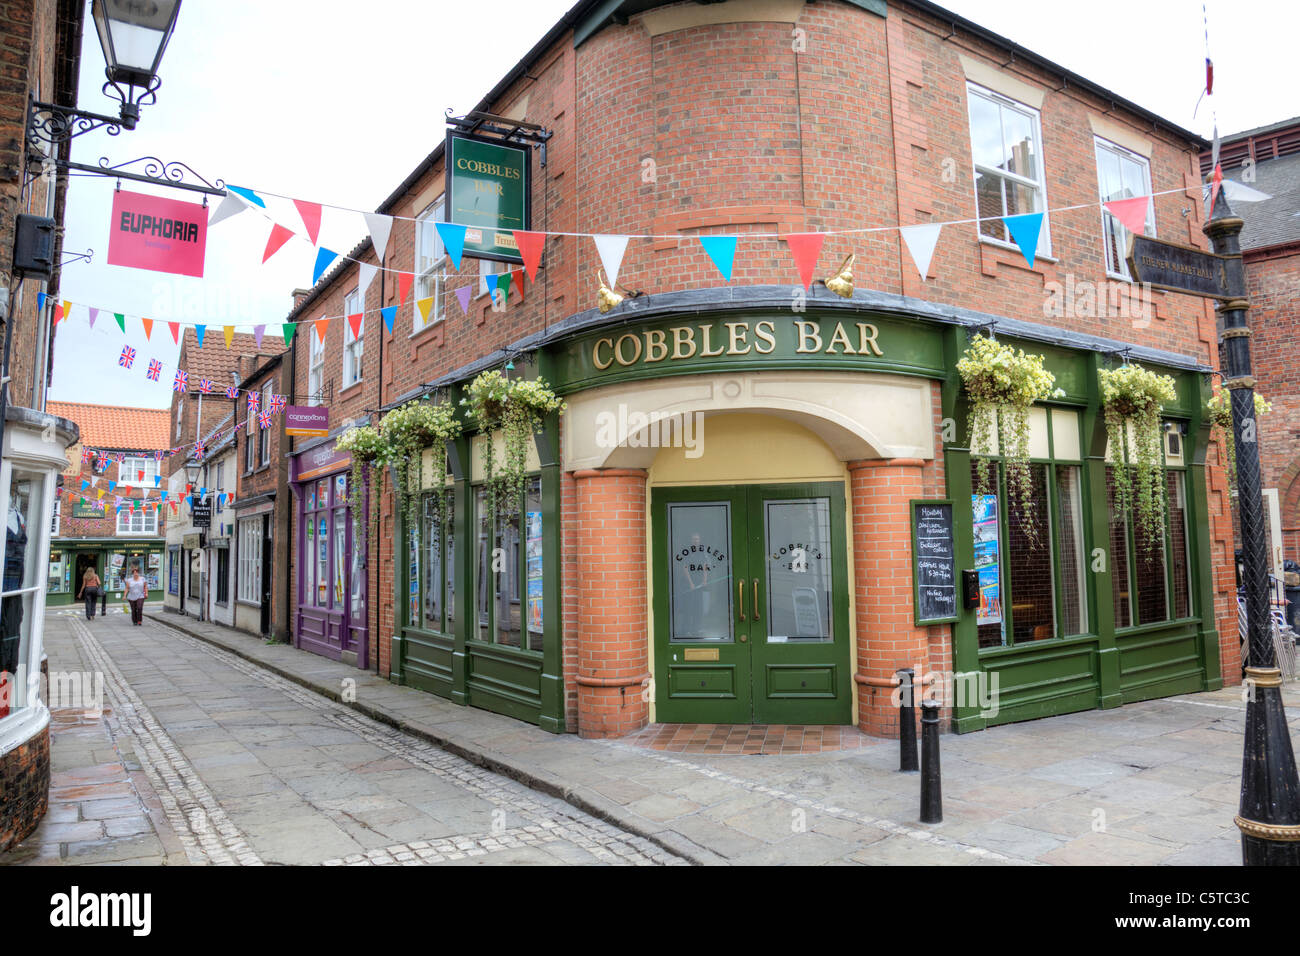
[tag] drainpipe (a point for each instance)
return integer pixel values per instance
(288, 501)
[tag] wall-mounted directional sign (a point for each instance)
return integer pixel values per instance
(1166, 265)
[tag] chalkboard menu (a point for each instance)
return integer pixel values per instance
(934, 564)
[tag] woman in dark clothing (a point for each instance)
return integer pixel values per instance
(90, 590)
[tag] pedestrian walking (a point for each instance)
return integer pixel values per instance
(137, 591)
(90, 588)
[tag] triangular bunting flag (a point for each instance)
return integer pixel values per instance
(503, 285)
(530, 250)
(366, 273)
(258, 332)
(380, 226)
(1238, 192)
(1131, 213)
(40, 302)
(611, 249)
(58, 313)
(920, 241)
(322, 326)
(310, 213)
(1025, 229)
(94, 314)
(229, 332)
(1216, 183)
(278, 237)
(354, 320)
(462, 296)
(722, 250)
(805, 247)
(247, 195)
(198, 331)
(121, 320)
(453, 239)
(404, 282)
(490, 280)
(288, 328)
(230, 206)
(424, 305)
(389, 314)
(323, 259)
(175, 328)
(148, 328)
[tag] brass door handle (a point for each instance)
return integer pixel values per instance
(756, 616)
(741, 601)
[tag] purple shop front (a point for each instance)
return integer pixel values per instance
(330, 619)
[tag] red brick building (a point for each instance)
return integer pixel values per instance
(90, 529)
(827, 418)
(1268, 159)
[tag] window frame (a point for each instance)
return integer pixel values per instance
(150, 464)
(435, 212)
(516, 573)
(315, 368)
(1002, 101)
(353, 345)
(146, 514)
(1108, 222)
(248, 571)
(264, 434)
(488, 267)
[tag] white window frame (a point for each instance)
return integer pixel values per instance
(315, 369)
(180, 411)
(429, 280)
(1003, 102)
(1108, 222)
(249, 571)
(57, 517)
(250, 424)
(487, 267)
(130, 466)
(264, 434)
(148, 519)
(353, 345)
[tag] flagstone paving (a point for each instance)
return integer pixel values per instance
(246, 752)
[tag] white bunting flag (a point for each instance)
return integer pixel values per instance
(231, 205)
(365, 275)
(611, 249)
(921, 240)
(380, 226)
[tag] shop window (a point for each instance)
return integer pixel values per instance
(248, 572)
(1121, 175)
(137, 521)
(223, 575)
(509, 570)
(173, 570)
(1151, 575)
(353, 345)
(432, 578)
(316, 527)
(54, 583)
(21, 584)
(1034, 584)
(430, 261)
(1006, 144)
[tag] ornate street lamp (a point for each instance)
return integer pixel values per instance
(134, 35)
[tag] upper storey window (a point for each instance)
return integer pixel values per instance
(430, 260)
(1121, 174)
(1006, 143)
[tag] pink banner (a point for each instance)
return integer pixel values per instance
(150, 232)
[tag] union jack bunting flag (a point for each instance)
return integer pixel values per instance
(232, 391)
(87, 454)
(205, 385)
(277, 402)
(252, 401)
(127, 358)
(198, 450)
(155, 369)
(157, 456)
(264, 419)
(181, 382)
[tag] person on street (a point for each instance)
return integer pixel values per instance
(90, 588)
(137, 592)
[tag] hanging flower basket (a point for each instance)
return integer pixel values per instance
(408, 431)
(1131, 399)
(1003, 384)
(367, 448)
(1219, 412)
(518, 408)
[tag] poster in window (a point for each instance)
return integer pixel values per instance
(533, 529)
(985, 514)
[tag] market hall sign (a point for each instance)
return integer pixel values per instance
(1166, 265)
(741, 337)
(489, 184)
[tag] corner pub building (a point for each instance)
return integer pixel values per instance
(720, 525)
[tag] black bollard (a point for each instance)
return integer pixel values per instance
(907, 721)
(931, 787)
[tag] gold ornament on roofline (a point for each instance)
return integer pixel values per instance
(842, 282)
(606, 298)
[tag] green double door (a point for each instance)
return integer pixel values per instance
(751, 605)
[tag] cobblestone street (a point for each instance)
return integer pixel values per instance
(200, 757)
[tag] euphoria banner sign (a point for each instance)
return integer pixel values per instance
(489, 184)
(150, 232)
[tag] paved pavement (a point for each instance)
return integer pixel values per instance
(288, 757)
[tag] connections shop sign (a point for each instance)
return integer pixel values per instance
(488, 184)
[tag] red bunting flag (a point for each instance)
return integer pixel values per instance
(310, 212)
(805, 247)
(404, 282)
(176, 331)
(354, 320)
(530, 250)
(1216, 182)
(278, 237)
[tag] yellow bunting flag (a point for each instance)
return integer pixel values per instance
(424, 305)
(229, 332)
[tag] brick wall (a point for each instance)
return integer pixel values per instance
(24, 788)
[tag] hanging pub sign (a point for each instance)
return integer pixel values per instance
(489, 184)
(151, 232)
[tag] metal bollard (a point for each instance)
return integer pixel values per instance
(907, 720)
(931, 787)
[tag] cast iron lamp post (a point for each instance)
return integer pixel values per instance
(1269, 818)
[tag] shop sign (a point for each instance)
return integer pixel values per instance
(192, 542)
(307, 421)
(87, 509)
(153, 232)
(488, 185)
(319, 461)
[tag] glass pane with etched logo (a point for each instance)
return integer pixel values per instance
(483, 566)
(797, 542)
(699, 565)
(1070, 534)
(432, 565)
(1120, 587)
(1179, 559)
(506, 564)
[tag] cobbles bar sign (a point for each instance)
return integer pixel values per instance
(489, 185)
(150, 232)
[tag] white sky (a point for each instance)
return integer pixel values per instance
(337, 103)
